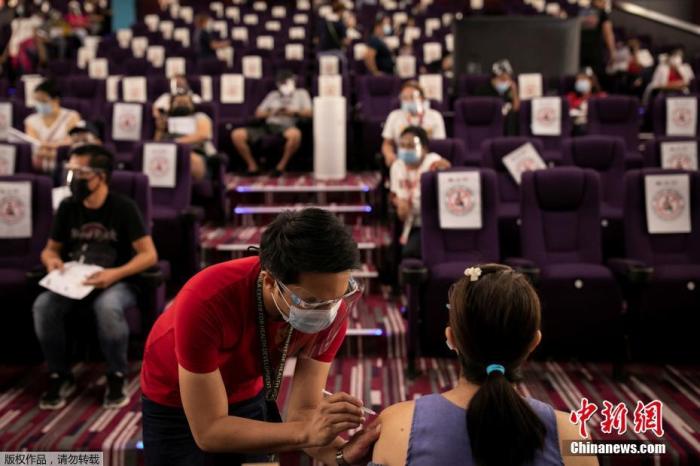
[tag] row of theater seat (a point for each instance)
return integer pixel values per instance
(642, 304)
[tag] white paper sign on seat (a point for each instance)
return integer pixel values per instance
(127, 121)
(160, 164)
(459, 195)
(546, 116)
(15, 209)
(667, 203)
(681, 116)
(679, 155)
(524, 158)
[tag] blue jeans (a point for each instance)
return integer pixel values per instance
(50, 310)
(168, 440)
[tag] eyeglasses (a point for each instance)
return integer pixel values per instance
(81, 173)
(352, 293)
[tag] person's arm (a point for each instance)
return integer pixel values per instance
(66, 140)
(51, 256)
(309, 380)
(145, 257)
(515, 94)
(306, 110)
(219, 44)
(264, 110)
(567, 432)
(202, 133)
(206, 407)
(392, 447)
(371, 61)
(609, 37)
(440, 164)
(388, 151)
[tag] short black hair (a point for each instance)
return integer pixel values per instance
(310, 240)
(283, 75)
(101, 158)
(418, 132)
(49, 88)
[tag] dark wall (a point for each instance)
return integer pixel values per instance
(680, 9)
(661, 33)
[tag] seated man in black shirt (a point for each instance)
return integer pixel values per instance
(503, 85)
(378, 57)
(95, 226)
(204, 44)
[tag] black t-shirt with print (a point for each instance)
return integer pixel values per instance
(99, 236)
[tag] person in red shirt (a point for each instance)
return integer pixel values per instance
(213, 361)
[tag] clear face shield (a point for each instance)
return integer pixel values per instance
(319, 321)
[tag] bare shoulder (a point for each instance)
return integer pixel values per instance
(568, 431)
(392, 446)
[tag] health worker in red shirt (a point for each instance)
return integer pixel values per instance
(214, 360)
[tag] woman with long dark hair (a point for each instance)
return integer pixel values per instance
(494, 325)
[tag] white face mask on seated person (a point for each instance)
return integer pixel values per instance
(287, 88)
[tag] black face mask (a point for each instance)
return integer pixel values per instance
(180, 111)
(79, 189)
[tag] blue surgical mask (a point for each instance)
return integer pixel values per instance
(387, 30)
(502, 87)
(43, 108)
(583, 86)
(307, 320)
(409, 106)
(409, 156)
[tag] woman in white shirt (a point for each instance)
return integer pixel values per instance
(671, 75)
(413, 160)
(50, 125)
(414, 111)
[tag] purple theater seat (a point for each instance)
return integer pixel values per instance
(17, 258)
(617, 115)
(125, 149)
(23, 157)
(476, 120)
(560, 236)
(659, 115)
(175, 224)
(446, 253)
(665, 306)
(450, 149)
(469, 83)
(552, 144)
(652, 153)
(376, 96)
(84, 87)
(151, 298)
(211, 66)
(137, 67)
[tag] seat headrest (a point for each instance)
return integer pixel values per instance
(593, 152)
(560, 189)
(615, 109)
(381, 85)
(480, 111)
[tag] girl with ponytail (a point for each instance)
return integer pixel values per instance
(494, 324)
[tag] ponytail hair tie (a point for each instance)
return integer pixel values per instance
(495, 367)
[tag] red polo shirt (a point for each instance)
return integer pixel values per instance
(213, 325)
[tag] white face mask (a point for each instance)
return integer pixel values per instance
(287, 88)
(307, 320)
(676, 60)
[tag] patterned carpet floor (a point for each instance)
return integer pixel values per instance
(84, 425)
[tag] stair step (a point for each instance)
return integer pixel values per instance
(233, 238)
(303, 183)
(248, 209)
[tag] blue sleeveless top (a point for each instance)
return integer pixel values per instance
(439, 434)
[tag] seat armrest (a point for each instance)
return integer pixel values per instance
(412, 272)
(152, 277)
(631, 270)
(35, 275)
(525, 267)
(193, 214)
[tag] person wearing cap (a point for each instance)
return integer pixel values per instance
(178, 85)
(503, 86)
(96, 226)
(85, 132)
(214, 362)
(281, 111)
(415, 111)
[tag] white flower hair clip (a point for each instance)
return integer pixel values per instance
(473, 273)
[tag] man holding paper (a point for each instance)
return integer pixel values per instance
(97, 227)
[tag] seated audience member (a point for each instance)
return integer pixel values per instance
(96, 226)
(281, 109)
(503, 85)
(179, 85)
(415, 111)
(183, 125)
(49, 125)
(585, 87)
(671, 75)
(413, 160)
(203, 42)
(85, 132)
(494, 324)
(378, 58)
